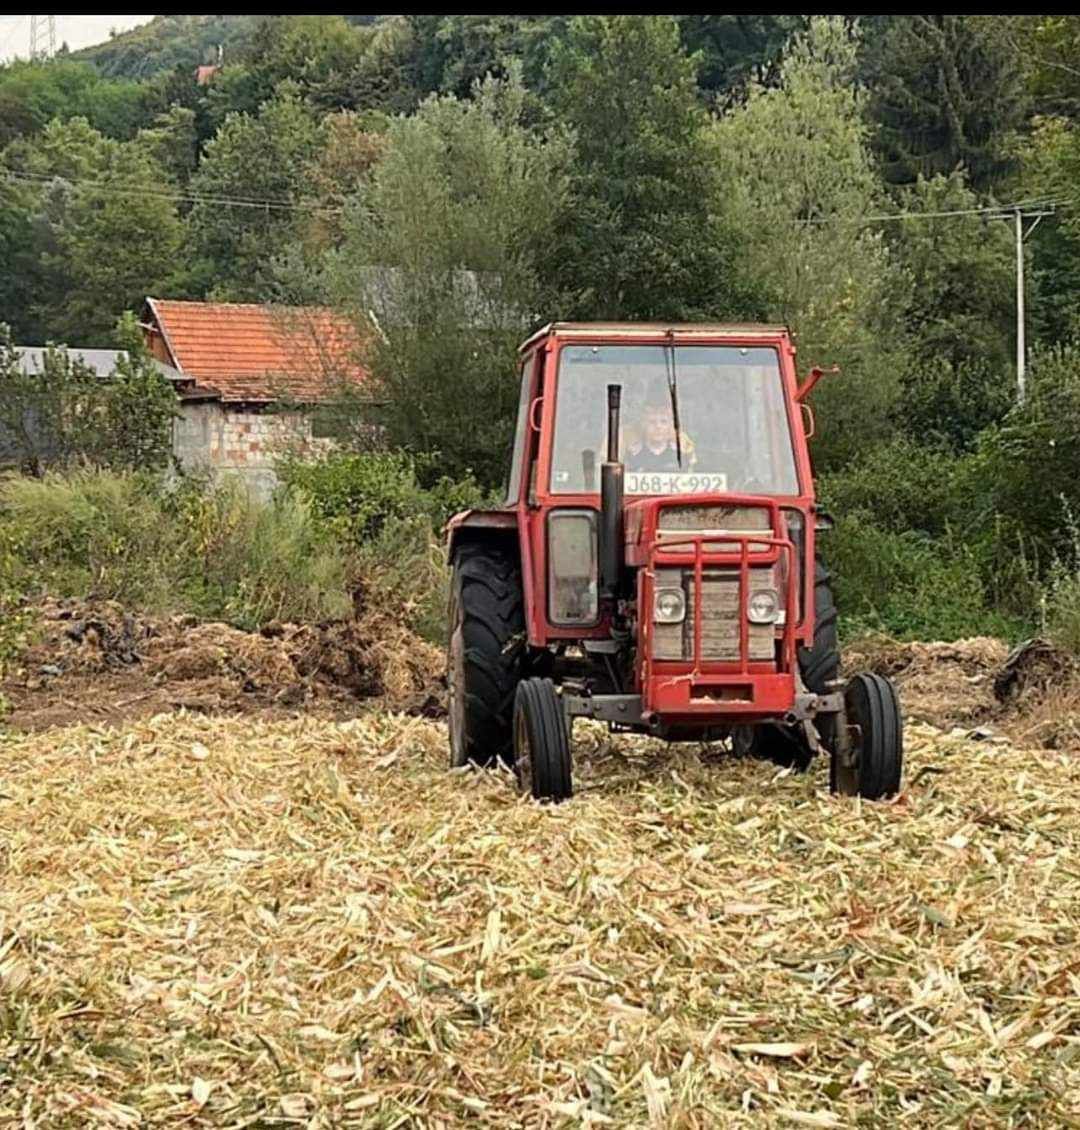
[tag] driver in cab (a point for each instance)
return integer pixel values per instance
(655, 451)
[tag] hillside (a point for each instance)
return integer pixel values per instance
(174, 41)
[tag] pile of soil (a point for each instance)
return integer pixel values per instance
(95, 661)
(1030, 694)
(946, 684)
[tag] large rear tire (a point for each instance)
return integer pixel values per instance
(541, 742)
(819, 666)
(485, 654)
(875, 758)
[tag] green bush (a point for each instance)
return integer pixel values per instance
(908, 585)
(905, 485)
(404, 570)
(359, 494)
(249, 562)
(213, 551)
(91, 533)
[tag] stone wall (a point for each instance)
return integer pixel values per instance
(224, 440)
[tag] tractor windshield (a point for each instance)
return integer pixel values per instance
(734, 433)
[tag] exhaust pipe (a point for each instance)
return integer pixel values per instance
(611, 503)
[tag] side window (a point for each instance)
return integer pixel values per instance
(521, 431)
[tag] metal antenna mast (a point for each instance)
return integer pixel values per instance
(42, 37)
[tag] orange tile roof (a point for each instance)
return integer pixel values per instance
(252, 353)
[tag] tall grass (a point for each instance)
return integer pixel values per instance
(212, 551)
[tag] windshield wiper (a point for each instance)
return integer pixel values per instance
(673, 392)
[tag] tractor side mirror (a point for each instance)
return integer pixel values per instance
(812, 378)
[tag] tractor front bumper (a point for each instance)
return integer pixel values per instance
(627, 709)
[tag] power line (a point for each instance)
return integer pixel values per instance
(43, 179)
(990, 211)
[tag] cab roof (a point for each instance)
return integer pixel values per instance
(655, 329)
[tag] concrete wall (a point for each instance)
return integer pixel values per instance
(223, 440)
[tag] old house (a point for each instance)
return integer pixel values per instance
(249, 377)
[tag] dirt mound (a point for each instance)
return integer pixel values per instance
(1031, 694)
(97, 660)
(946, 684)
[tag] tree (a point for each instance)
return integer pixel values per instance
(736, 50)
(796, 178)
(33, 94)
(1050, 164)
(948, 92)
(638, 239)
(63, 412)
(105, 232)
(440, 268)
(959, 312)
(259, 160)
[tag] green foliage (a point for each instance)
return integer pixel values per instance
(948, 92)
(34, 94)
(639, 238)
(101, 234)
(253, 157)
(737, 50)
(359, 495)
(404, 568)
(65, 413)
(214, 552)
(797, 180)
(250, 562)
(15, 618)
(1030, 463)
(140, 406)
(167, 43)
(443, 252)
(961, 304)
(909, 585)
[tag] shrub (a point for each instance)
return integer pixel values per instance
(214, 551)
(90, 534)
(404, 570)
(358, 494)
(907, 584)
(249, 562)
(905, 485)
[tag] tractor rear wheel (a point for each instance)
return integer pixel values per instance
(485, 654)
(872, 765)
(819, 666)
(541, 742)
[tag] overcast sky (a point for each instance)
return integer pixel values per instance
(76, 31)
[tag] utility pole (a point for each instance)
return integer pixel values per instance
(1021, 345)
(1018, 215)
(42, 37)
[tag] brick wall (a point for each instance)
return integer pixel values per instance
(223, 440)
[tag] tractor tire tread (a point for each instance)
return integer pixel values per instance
(488, 586)
(549, 739)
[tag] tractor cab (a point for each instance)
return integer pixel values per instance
(653, 564)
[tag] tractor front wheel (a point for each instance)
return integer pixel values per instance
(870, 761)
(485, 654)
(541, 742)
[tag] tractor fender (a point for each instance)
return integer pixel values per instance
(472, 527)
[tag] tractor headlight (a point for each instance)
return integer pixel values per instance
(669, 606)
(763, 607)
(572, 567)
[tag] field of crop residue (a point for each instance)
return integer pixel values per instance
(237, 921)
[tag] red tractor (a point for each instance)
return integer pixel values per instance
(653, 565)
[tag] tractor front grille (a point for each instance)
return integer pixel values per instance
(720, 616)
